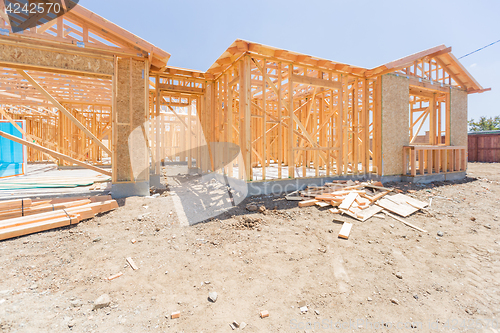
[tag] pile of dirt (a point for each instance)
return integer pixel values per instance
(247, 222)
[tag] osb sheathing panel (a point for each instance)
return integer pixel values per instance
(123, 91)
(137, 140)
(56, 60)
(131, 111)
(395, 122)
(123, 171)
(458, 128)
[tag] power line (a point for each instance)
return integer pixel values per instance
(479, 49)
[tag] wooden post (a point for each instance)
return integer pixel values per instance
(280, 126)
(157, 123)
(340, 128)
(413, 162)
(355, 127)
(264, 120)
(448, 119)
(366, 127)
(421, 161)
(429, 161)
(432, 120)
(291, 160)
(245, 117)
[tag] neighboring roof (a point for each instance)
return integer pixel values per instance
(484, 132)
(441, 53)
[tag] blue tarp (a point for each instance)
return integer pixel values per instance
(11, 153)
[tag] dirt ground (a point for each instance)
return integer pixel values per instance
(385, 274)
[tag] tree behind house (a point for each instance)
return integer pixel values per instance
(485, 124)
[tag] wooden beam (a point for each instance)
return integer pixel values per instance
(180, 89)
(316, 82)
(416, 81)
(54, 153)
(64, 111)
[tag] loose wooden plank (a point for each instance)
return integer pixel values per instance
(112, 277)
(345, 230)
(294, 196)
(404, 222)
(365, 214)
(375, 197)
(132, 263)
(347, 202)
(323, 204)
(307, 203)
(380, 188)
(336, 194)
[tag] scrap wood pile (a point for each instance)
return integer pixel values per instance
(359, 200)
(25, 216)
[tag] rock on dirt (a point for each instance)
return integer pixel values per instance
(395, 301)
(252, 208)
(102, 302)
(76, 303)
(212, 296)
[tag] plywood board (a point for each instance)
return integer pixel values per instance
(401, 198)
(398, 208)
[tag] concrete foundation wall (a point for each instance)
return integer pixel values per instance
(395, 122)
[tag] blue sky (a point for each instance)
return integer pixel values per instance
(362, 33)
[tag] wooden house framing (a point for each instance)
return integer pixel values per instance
(97, 94)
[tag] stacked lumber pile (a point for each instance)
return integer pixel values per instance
(24, 216)
(359, 200)
(19, 183)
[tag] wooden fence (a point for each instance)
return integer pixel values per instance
(484, 146)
